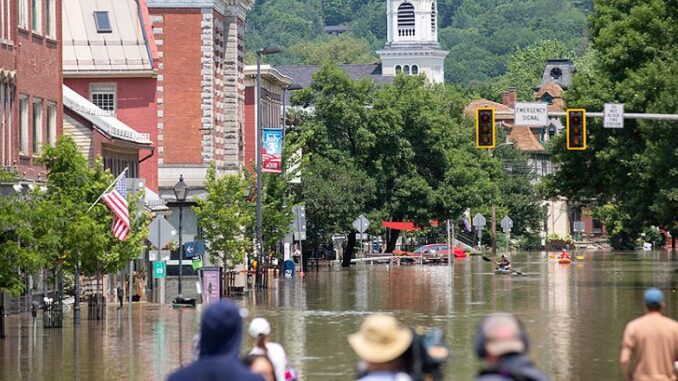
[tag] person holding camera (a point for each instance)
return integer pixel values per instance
(501, 342)
(381, 344)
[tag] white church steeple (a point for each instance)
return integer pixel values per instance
(412, 40)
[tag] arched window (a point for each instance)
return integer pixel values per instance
(398, 69)
(406, 69)
(433, 18)
(415, 69)
(405, 20)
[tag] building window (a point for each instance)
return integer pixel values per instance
(104, 96)
(4, 13)
(51, 124)
(23, 14)
(406, 69)
(434, 22)
(415, 69)
(50, 20)
(406, 20)
(36, 16)
(398, 69)
(102, 22)
(37, 127)
(23, 125)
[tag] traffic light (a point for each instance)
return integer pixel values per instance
(576, 129)
(485, 132)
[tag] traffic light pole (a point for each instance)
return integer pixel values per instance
(627, 115)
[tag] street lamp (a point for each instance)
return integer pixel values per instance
(271, 49)
(180, 193)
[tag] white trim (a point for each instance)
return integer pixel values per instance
(36, 127)
(104, 88)
(50, 19)
(51, 123)
(23, 125)
(36, 13)
(23, 14)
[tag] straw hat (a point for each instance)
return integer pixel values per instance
(380, 339)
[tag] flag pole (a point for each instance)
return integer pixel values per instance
(109, 188)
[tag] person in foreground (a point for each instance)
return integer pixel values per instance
(381, 344)
(220, 340)
(260, 331)
(501, 342)
(651, 341)
(261, 364)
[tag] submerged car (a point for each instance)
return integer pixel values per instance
(439, 252)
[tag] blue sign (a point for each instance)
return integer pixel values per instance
(194, 249)
(271, 152)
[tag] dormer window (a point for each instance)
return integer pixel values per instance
(547, 98)
(103, 23)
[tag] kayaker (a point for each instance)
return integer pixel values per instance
(501, 342)
(504, 264)
(564, 255)
(650, 343)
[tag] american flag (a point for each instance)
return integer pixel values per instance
(117, 201)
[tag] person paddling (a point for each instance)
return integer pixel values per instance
(504, 263)
(564, 255)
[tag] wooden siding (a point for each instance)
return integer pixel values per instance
(81, 135)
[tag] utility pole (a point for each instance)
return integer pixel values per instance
(494, 231)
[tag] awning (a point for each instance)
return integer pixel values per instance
(405, 225)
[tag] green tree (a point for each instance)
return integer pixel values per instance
(343, 49)
(630, 172)
(224, 215)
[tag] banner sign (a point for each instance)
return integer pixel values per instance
(271, 153)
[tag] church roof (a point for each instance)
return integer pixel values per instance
(553, 88)
(560, 71)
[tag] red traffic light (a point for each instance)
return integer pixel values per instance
(485, 130)
(576, 129)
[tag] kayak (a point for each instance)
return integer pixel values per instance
(459, 252)
(503, 271)
(564, 261)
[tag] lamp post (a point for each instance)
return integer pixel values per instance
(180, 193)
(271, 49)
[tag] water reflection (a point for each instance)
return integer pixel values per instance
(574, 314)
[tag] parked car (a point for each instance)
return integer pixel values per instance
(438, 252)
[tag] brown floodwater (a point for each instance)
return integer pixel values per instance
(574, 315)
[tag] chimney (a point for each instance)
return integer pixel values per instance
(508, 98)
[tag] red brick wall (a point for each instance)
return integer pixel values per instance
(39, 75)
(181, 112)
(136, 107)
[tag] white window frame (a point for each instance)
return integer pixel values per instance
(23, 125)
(50, 19)
(36, 127)
(36, 16)
(104, 89)
(51, 123)
(23, 14)
(2, 20)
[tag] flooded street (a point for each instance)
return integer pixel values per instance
(574, 314)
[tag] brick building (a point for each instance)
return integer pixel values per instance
(30, 83)
(200, 101)
(110, 58)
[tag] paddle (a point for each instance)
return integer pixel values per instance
(486, 259)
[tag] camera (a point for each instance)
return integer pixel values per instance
(427, 355)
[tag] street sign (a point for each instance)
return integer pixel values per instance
(531, 114)
(507, 224)
(361, 224)
(194, 249)
(479, 221)
(613, 115)
(161, 232)
(159, 269)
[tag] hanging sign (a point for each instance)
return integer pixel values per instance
(271, 152)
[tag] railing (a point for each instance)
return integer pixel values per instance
(406, 32)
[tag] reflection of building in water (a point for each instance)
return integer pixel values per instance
(559, 307)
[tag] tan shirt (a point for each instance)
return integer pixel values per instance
(653, 341)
